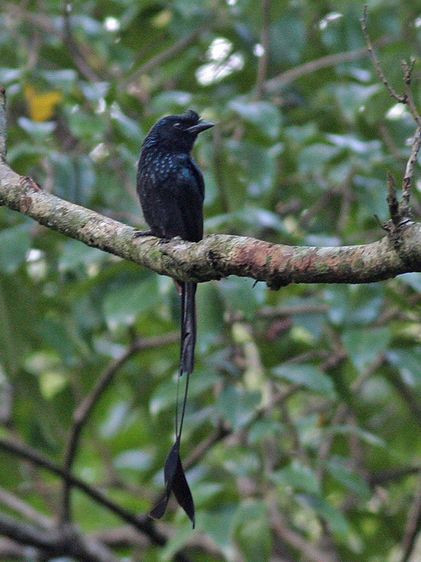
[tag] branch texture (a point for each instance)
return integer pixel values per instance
(219, 255)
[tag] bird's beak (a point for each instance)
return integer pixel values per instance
(200, 127)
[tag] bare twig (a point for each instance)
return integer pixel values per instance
(381, 477)
(376, 63)
(141, 523)
(399, 213)
(78, 58)
(56, 542)
(389, 142)
(289, 76)
(10, 550)
(168, 54)
(407, 69)
(204, 446)
(85, 409)
(218, 167)
(392, 200)
(409, 174)
(294, 539)
(22, 508)
(413, 526)
(222, 432)
(263, 63)
(3, 124)
(7, 391)
(407, 395)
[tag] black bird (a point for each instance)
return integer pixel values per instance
(171, 191)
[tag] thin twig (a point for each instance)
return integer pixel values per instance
(407, 395)
(141, 523)
(56, 542)
(222, 431)
(413, 526)
(218, 167)
(262, 67)
(390, 142)
(294, 539)
(409, 174)
(24, 509)
(78, 58)
(291, 75)
(402, 214)
(85, 409)
(375, 60)
(3, 124)
(382, 477)
(169, 54)
(407, 69)
(392, 200)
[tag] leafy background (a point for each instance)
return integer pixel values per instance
(316, 387)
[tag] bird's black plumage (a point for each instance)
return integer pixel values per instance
(171, 191)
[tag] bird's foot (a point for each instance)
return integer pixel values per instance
(139, 233)
(165, 240)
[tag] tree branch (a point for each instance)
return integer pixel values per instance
(219, 255)
(66, 541)
(216, 256)
(289, 76)
(376, 63)
(413, 526)
(24, 509)
(83, 412)
(3, 125)
(141, 523)
(168, 54)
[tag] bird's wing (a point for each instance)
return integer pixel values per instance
(190, 195)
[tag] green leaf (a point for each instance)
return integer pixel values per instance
(210, 316)
(364, 346)
(352, 97)
(354, 305)
(349, 478)
(165, 395)
(243, 295)
(408, 362)
(263, 429)
(297, 476)
(237, 406)
(15, 243)
(313, 158)
(123, 305)
(262, 114)
(334, 517)
(51, 383)
(175, 543)
(219, 525)
(74, 255)
(254, 534)
(133, 459)
(128, 128)
(309, 376)
(412, 279)
(366, 436)
(36, 129)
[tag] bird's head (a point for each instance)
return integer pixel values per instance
(177, 132)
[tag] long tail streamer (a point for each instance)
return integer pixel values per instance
(175, 478)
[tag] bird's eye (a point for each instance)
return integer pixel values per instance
(177, 125)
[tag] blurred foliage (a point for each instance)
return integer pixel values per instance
(318, 385)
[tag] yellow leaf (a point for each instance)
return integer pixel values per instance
(41, 106)
(162, 19)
